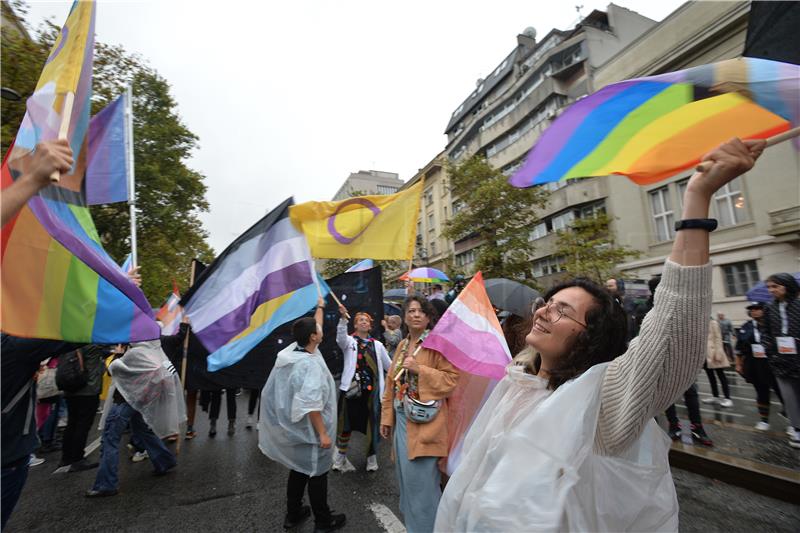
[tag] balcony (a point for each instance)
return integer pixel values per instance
(784, 221)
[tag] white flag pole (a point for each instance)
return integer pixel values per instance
(131, 175)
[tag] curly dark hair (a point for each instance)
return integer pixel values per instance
(601, 341)
(427, 308)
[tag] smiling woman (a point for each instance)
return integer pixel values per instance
(567, 439)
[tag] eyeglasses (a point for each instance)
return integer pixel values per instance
(554, 312)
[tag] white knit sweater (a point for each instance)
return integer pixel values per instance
(661, 362)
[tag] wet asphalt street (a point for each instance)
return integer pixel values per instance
(227, 484)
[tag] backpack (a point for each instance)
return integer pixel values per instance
(71, 375)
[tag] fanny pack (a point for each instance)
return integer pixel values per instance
(354, 390)
(418, 411)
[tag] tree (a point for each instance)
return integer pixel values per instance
(169, 195)
(588, 248)
(499, 215)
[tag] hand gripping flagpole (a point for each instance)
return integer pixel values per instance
(63, 130)
(705, 166)
(131, 170)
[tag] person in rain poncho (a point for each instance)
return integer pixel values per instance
(298, 421)
(567, 440)
(146, 393)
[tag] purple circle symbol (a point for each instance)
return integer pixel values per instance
(61, 41)
(352, 201)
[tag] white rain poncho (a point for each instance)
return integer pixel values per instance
(528, 465)
(149, 383)
(300, 383)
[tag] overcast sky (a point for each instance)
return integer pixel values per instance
(290, 97)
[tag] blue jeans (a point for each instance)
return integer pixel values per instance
(13, 481)
(119, 416)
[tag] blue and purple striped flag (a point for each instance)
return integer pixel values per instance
(107, 168)
(261, 281)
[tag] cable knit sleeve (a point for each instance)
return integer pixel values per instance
(661, 362)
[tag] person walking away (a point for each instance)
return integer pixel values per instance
(415, 416)
(716, 362)
(214, 407)
(298, 419)
(365, 363)
(252, 403)
(82, 407)
(752, 364)
(728, 335)
(782, 341)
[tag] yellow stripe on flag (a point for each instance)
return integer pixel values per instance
(262, 314)
(66, 59)
(376, 227)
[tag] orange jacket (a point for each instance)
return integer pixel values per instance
(437, 379)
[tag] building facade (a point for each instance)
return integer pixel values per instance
(369, 182)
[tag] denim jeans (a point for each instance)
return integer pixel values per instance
(13, 481)
(119, 416)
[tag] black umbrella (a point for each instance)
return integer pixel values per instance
(511, 296)
(394, 294)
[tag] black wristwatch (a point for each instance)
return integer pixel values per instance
(708, 224)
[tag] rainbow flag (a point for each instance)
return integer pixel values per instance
(470, 337)
(57, 281)
(652, 128)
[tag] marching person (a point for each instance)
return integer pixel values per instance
(567, 440)
(782, 342)
(716, 362)
(365, 365)
(415, 415)
(298, 419)
(752, 364)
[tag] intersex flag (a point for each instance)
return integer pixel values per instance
(377, 226)
(262, 280)
(470, 337)
(649, 129)
(107, 170)
(171, 313)
(57, 281)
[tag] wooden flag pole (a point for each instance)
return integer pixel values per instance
(772, 141)
(63, 130)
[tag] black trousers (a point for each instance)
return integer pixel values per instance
(216, 400)
(252, 401)
(81, 412)
(692, 404)
(317, 494)
(713, 382)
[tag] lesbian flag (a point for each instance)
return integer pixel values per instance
(649, 129)
(470, 337)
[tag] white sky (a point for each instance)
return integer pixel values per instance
(290, 97)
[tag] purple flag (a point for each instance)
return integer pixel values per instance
(107, 171)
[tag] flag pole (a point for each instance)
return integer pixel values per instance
(705, 166)
(63, 130)
(131, 171)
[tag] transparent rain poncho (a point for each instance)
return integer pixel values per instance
(300, 383)
(149, 383)
(528, 464)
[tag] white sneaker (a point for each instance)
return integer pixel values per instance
(762, 426)
(35, 461)
(726, 402)
(710, 399)
(790, 431)
(372, 463)
(250, 422)
(794, 442)
(140, 456)
(338, 462)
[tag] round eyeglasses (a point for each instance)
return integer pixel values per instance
(554, 312)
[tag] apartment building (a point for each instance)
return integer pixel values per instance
(369, 182)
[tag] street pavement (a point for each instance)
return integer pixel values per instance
(227, 484)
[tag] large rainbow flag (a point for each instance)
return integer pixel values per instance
(652, 128)
(470, 337)
(57, 281)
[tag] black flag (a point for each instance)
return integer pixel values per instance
(773, 31)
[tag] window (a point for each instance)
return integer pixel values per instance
(729, 202)
(466, 258)
(563, 220)
(539, 231)
(740, 277)
(662, 214)
(547, 266)
(429, 197)
(457, 206)
(386, 189)
(431, 224)
(433, 248)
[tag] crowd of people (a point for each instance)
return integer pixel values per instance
(573, 418)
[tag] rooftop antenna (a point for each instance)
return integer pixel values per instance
(578, 9)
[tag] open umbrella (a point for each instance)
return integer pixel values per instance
(395, 294)
(649, 129)
(425, 275)
(759, 292)
(511, 296)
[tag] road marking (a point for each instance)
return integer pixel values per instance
(387, 519)
(92, 446)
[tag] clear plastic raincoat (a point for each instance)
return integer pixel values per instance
(300, 383)
(149, 383)
(528, 465)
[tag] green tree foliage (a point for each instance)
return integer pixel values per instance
(499, 215)
(169, 195)
(588, 248)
